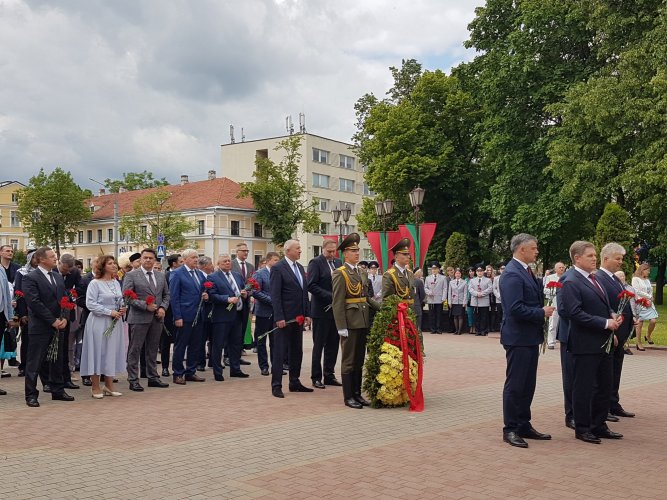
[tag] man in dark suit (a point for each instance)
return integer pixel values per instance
(146, 319)
(72, 277)
(186, 291)
(167, 337)
(289, 297)
(241, 266)
(611, 257)
(43, 291)
(567, 370)
(264, 311)
(583, 303)
(226, 292)
(521, 334)
(325, 334)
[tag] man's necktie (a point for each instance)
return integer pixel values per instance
(150, 278)
(53, 281)
(232, 283)
(597, 286)
(331, 265)
(243, 269)
(618, 282)
(194, 276)
(530, 271)
(298, 274)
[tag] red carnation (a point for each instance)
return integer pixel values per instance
(19, 293)
(66, 304)
(73, 294)
(625, 294)
(300, 320)
(129, 295)
(643, 302)
(254, 284)
(208, 284)
(554, 284)
(150, 300)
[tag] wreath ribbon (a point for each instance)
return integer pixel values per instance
(406, 327)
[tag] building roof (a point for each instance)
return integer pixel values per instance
(231, 144)
(218, 192)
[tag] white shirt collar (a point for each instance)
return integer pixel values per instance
(523, 264)
(187, 269)
(354, 268)
(402, 269)
(290, 261)
(45, 271)
(609, 273)
(585, 274)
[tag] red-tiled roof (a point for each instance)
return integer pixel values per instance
(220, 192)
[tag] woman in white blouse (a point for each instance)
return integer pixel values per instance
(643, 288)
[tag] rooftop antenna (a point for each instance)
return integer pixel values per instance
(231, 133)
(242, 135)
(302, 123)
(289, 125)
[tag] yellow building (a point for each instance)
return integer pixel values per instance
(11, 230)
(331, 172)
(220, 219)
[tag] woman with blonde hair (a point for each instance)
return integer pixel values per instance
(643, 288)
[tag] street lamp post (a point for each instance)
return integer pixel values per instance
(115, 220)
(343, 213)
(416, 200)
(384, 209)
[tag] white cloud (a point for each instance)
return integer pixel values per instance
(102, 87)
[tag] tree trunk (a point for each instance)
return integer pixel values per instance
(660, 282)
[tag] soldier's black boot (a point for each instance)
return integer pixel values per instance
(356, 377)
(348, 392)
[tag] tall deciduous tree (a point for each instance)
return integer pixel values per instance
(132, 181)
(157, 214)
(279, 194)
(456, 251)
(51, 208)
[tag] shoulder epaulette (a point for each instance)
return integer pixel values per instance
(392, 270)
(341, 267)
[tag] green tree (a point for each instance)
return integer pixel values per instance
(157, 214)
(279, 194)
(132, 181)
(456, 251)
(52, 208)
(615, 226)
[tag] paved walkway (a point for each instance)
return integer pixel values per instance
(233, 440)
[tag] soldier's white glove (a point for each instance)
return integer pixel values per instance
(343, 332)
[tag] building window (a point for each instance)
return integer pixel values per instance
(320, 156)
(258, 230)
(364, 168)
(236, 228)
(367, 190)
(346, 185)
(89, 236)
(346, 162)
(14, 244)
(200, 227)
(321, 205)
(14, 219)
(317, 250)
(144, 231)
(261, 153)
(324, 228)
(368, 254)
(347, 204)
(80, 238)
(15, 197)
(348, 229)
(321, 181)
(99, 235)
(110, 234)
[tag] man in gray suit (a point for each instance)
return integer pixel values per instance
(481, 288)
(146, 317)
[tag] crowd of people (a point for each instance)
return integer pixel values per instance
(123, 317)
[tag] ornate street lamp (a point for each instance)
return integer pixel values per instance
(416, 200)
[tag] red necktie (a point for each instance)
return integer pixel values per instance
(597, 285)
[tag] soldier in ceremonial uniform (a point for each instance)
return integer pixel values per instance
(399, 280)
(351, 310)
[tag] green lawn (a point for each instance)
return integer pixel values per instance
(660, 332)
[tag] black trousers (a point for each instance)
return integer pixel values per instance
(51, 370)
(591, 391)
(567, 369)
(287, 340)
(63, 347)
(618, 355)
(166, 339)
(25, 341)
(498, 317)
(263, 325)
(520, 378)
(325, 339)
(235, 343)
(481, 319)
(435, 317)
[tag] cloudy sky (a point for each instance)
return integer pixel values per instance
(101, 87)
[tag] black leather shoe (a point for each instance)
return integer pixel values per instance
(46, 389)
(71, 385)
(569, 422)
(360, 399)
(514, 439)
(587, 437)
(165, 372)
(3, 392)
(157, 383)
(531, 433)
(612, 418)
(353, 403)
(219, 378)
(63, 396)
(300, 388)
(244, 362)
(265, 372)
(277, 393)
(136, 386)
(318, 385)
(608, 434)
(32, 402)
(332, 381)
(239, 375)
(86, 381)
(201, 368)
(21, 373)
(620, 412)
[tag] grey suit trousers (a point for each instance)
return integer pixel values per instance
(150, 334)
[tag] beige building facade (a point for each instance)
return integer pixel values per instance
(11, 230)
(331, 172)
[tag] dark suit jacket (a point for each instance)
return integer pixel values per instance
(185, 294)
(288, 297)
(263, 302)
(613, 287)
(220, 294)
(319, 286)
(11, 271)
(249, 269)
(43, 301)
(585, 313)
(523, 300)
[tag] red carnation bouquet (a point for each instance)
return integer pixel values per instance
(552, 289)
(207, 286)
(128, 297)
(66, 305)
(150, 300)
(623, 298)
(298, 320)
